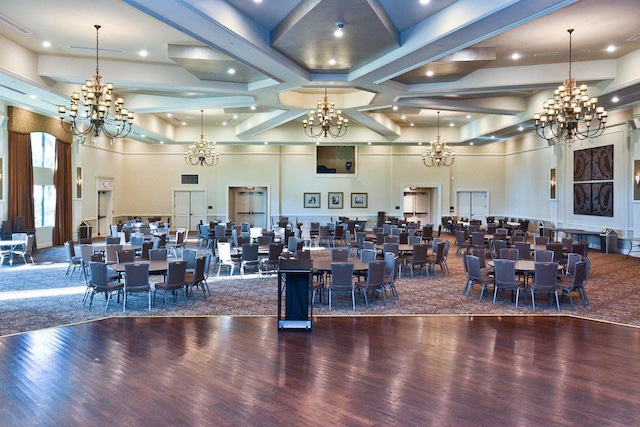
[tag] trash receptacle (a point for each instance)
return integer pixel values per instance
(608, 241)
(84, 231)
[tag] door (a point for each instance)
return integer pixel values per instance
(250, 206)
(473, 205)
(416, 205)
(105, 215)
(189, 208)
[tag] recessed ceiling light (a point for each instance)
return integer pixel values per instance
(266, 143)
(369, 143)
(224, 123)
(451, 124)
(411, 124)
(419, 143)
(468, 116)
(515, 56)
(332, 61)
(143, 53)
(403, 117)
(429, 73)
(33, 97)
(395, 108)
(424, 1)
(611, 48)
(493, 137)
(471, 143)
(143, 136)
(520, 128)
(253, 107)
(338, 32)
(235, 116)
(615, 99)
(257, 1)
(169, 115)
(46, 44)
(231, 71)
(184, 123)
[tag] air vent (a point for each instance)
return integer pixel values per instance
(13, 25)
(189, 179)
(12, 89)
(565, 53)
(93, 48)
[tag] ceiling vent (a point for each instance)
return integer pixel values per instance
(13, 25)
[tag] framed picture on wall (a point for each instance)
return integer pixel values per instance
(358, 200)
(336, 200)
(311, 200)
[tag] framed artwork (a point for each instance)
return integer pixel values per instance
(311, 200)
(358, 200)
(336, 200)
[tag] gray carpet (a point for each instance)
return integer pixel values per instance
(611, 291)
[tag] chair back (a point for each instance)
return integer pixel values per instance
(482, 256)
(540, 240)
(264, 240)
(368, 255)
(505, 271)
(176, 272)
(339, 254)
(420, 253)
(566, 243)
(85, 253)
(498, 245)
(392, 239)
(509, 253)
(341, 275)
(546, 276)
(391, 266)
(136, 277)
(111, 251)
(292, 245)
(572, 259)
(579, 248)
(128, 255)
(579, 274)
(557, 251)
(403, 238)
(302, 254)
(473, 267)
(440, 252)
(98, 274)
(391, 247)
(112, 240)
(542, 255)
(414, 240)
(146, 246)
(137, 240)
(249, 252)
(375, 276)
(189, 255)
(477, 239)
(461, 238)
(224, 251)
(524, 250)
(198, 272)
(159, 254)
(275, 250)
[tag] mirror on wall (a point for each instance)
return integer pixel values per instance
(336, 159)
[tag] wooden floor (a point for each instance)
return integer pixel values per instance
(387, 371)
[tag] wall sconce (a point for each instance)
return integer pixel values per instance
(553, 182)
(637, 179)
(78, 183)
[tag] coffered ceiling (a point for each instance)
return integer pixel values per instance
(284, 55)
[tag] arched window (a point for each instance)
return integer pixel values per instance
(43, 151)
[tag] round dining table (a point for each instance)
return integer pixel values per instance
(155, 266)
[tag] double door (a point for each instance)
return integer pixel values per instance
(249, 205)
(473, 205)
(189, 208)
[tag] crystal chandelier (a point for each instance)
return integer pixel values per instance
(202, 152)
(326, 120)
(97, 99)
(438, 153)
(570, 114)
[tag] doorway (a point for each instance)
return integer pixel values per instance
(473, 205)
(189, 209)
(249, 204)
(105, 213)
(417, 204)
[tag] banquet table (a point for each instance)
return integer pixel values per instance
(11, 244)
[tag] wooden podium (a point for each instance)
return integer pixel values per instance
(294, 279)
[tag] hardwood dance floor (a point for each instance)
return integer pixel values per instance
(422, 370)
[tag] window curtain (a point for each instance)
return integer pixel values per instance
(21, 179)
(63, 229)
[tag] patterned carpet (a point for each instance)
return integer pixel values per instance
(24, 306)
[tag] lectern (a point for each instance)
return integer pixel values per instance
(294, 279)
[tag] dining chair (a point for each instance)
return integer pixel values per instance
(509, 253)
(225, 258)
(477, 276)
(342, 281)
(146, 246)
(197, 279)
(575, 283)
(249, 258)
(110, 253)
(417, 259)
(505, 278)
(189, 255)
(545, 281)
(374, 283)
(101, 283)
(438, 259)
(136, 280)
(540, 240)
(391, 270)
(462, 242)
(73, 261)
(572, 259)
(272, 262)
(174, 283)
(339, 254)
(524, 250)
(112, 240)
(159, 254)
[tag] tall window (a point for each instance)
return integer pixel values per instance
(43, 150)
